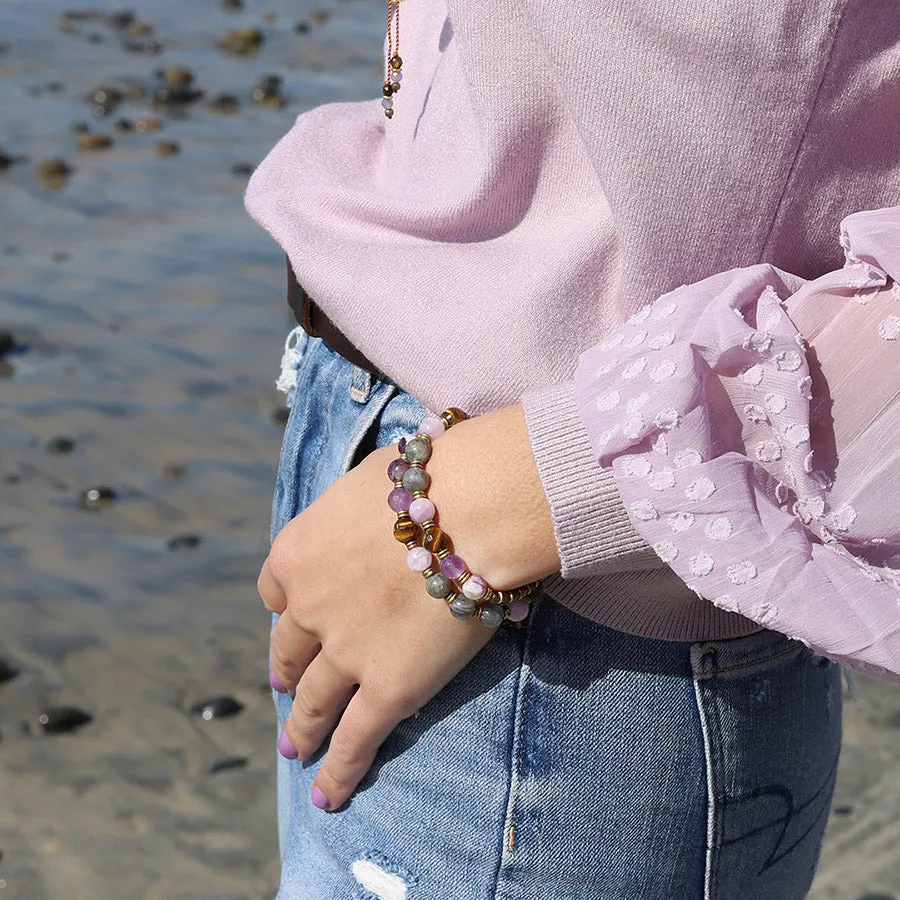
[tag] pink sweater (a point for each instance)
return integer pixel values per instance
(550, 169)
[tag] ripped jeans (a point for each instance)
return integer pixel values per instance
(567, 761)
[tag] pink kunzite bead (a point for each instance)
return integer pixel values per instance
(452, 566)
(475, 587)
(421, 509)
(432, 426)
(518, 609)
(418, 559)
(399, 499)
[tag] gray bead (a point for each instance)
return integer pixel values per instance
(416, 479)
(418, 450)
(438, 586)
(492, 614)
(462, 607)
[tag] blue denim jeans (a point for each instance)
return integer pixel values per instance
(567, 761)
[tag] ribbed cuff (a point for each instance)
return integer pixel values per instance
(593, 533)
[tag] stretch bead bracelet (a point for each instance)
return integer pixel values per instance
(418, 531)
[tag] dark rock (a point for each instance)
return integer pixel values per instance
(144, 125)
(217, 708)
(176, 96)
(301, 28)
(176, 76)
(320, 16)
(83, 15)
(12, 478)
(121, 19)
(142, 28)
(7, 672)
(243, 41)
(280, 415)
(63, 719)
(106, 96)
(60, 445)
(167, 148)
(9, 344)
(877, 897)
(174, 470)
(184, 542)
(97, 497)
(227, 764)
(60, 256)
(124, 125)
(148, 48)
(842, 810)
(5, 161)
(80, 128)
(232, 5)
(96, 38)
(242, 170)
(53, 173)
(267, 86)
(94, 141)
(225, 104)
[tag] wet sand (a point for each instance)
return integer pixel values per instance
(147, 319)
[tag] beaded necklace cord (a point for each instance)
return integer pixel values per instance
(394, 62)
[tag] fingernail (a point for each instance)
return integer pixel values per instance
(320, 801)
(285, 747)
(276, 682)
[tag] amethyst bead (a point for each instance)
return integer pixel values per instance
(397, 469)
(432, 426)
(399, 499)
(452, 566)
(420, 510)
(418, 559)
(518, 610)
(475, 587)
(402, 445)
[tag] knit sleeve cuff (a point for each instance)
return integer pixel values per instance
(593, 533)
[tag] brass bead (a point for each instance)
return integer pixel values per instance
(386, 90)
(396, 62)
(405, 530)
(396, 86)
(389, 113)
(453, 416)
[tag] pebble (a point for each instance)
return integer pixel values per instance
(122, 19)
(176, 96)
(184, 542)
(227, 764)
(217, 708)
(5, 161)
(280, 415)
(167, 148)
(94, 141)
(225, 104)
(267, 87)
(242, 170)
(63, 719)
(232, 5)
(242, 41)
(148, 48)
(144, 125)
(877, 897)
(60, 257)
(174, 470)
(60, 445)
(80, 128)
(301, 28)
(9, 344)
(53, 173)
(320, 16)
(7, 672)
(842, 810)
(124, 125)
(6, 370)
(97, 497)
(177, 76)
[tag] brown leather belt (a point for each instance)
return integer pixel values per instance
(316, 324)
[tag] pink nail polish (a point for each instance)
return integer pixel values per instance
(285, 747)
(320, 801)
(276, 682)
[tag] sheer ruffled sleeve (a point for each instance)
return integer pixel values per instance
(751, 421)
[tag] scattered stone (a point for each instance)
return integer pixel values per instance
(184, 542)
(97, 497)
(174, 470)
(842, 810)
(148, 48)
(145, 125)
(877, 897)
(122, 19)
(5, 161)
(301, 28)
(80, 128)
(242, 170)
(60, 256)
(63, 719)
(232, 5)
(228, 764)
(106, 96)
(217, 708)
(176, 96)
(267, 87)
(242, 41)
(91, 14)
(167, 148)
(320, 16)
(280, 415)
(269, 16)
(176, 76)
(7, 672)
(96, 38)
(142, 28)
(94, 141)
(9, 344)
(124, 125)
(53, 173)
(225, 104)
(59, 445)
(13, 477)
(7, 369)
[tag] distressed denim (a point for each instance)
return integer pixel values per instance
(567, 761)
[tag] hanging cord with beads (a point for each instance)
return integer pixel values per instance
(394, 62)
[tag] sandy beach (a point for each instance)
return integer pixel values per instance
(141, 326)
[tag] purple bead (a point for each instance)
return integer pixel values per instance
(518, 609)
(432, 426)
(452, 566)
(399, 499)
(397, 469)
(475, 587)
(421, 509)
(402, 445)
(418, 559)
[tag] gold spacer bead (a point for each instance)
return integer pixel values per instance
(453, 416)
(389, 113)
(428, 573)
(387, 90)
(396, 62)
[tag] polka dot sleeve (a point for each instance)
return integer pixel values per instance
(736, 463)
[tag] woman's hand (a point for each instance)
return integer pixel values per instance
(358, 639)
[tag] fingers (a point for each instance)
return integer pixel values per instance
(351, 751)
(270, 591)
(322, 694)
(292, 649)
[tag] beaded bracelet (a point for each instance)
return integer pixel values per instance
(468, 595)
